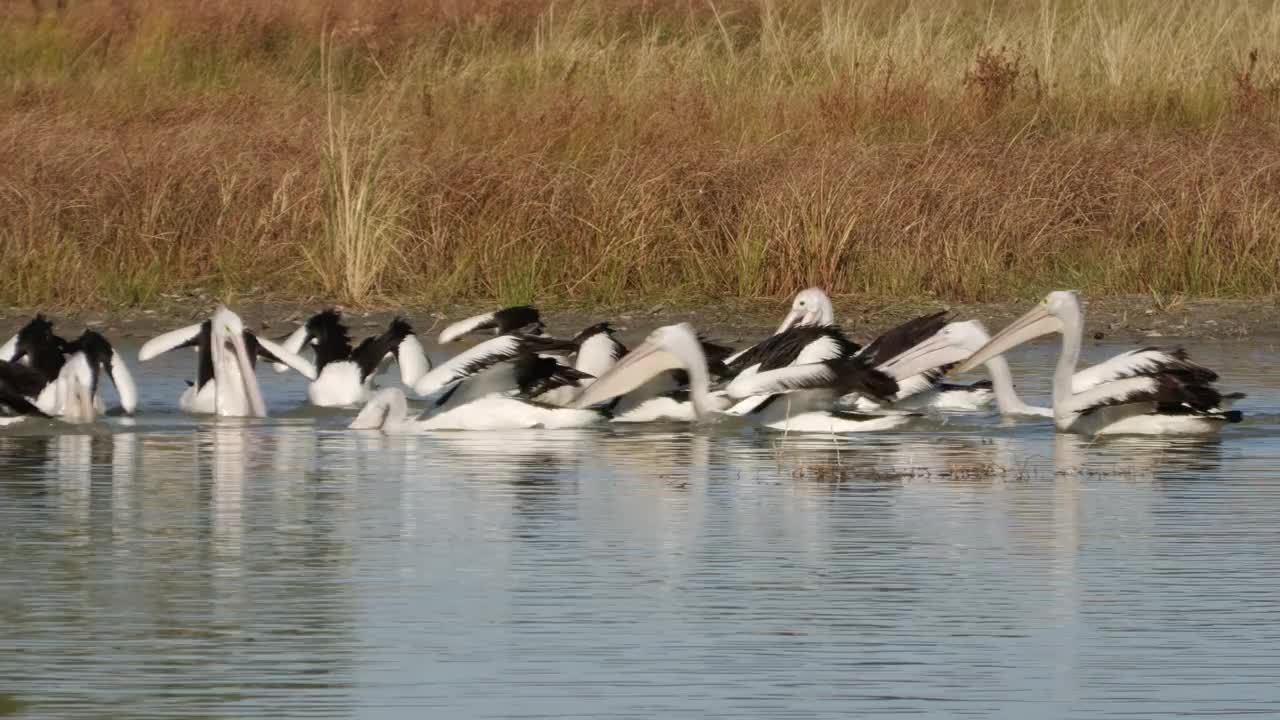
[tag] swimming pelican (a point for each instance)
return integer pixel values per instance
(929, 391)
(388, 411)
(1143, 392)
(51, 357)
(491, 386)
(796, 398)
(345, 374)
(952, 344)
(203, 397)
(522, 319)
(809, 334)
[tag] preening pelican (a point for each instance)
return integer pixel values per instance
(1140, 392)
(491, 386)
(49, 355)
(522, 319)
(344, 374)
(506, 365)
(204, 397)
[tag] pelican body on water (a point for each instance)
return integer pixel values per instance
(809, 376)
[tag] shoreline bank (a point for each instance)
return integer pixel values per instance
(1137, 319)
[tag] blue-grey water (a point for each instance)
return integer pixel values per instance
(182, 567)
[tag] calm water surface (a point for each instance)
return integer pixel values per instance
(192, 568)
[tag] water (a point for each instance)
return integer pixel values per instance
(192, 568)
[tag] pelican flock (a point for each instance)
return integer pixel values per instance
(806, 377)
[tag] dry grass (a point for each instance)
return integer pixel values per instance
(384, 151)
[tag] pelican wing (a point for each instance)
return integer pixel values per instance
(21, 379)
(398, 341)
(504, 321)
(182, 337)
(293, 343)
(1137, 363)
(812, 343)
(844, 375)
(811, 376)
(122, 379)
(484, 356)
(748, 405)
(898, 340)
(412, 359)
(538, 374)
(1163, 389)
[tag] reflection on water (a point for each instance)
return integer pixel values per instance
(967, 567)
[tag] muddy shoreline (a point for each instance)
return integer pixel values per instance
(1136, 319)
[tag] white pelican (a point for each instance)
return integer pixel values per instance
(964, 339)
(388, 411)
(796, 398)
(205, 396)
(490, 387)
(522, 319)
(508, 364)
(928, 391)
(809, 334)
(1140, 392)
(344, 375)
(37, 346)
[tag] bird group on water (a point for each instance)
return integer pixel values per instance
(807, 377)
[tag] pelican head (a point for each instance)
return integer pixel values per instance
(228, 329)
(811, 307)
(673, 347)
(1053, 314)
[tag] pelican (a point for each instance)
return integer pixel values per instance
(519, 319)
(952, 344)
(929, 391)
(508, 364)
(204, 396)
(488, 387)
(55, 361)
(797, 398)
(388, 411)
(809, 334)
(345, 374)
(597, 351)
(1139, 392)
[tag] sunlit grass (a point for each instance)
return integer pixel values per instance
(596, 151)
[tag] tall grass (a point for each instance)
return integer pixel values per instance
(362, 207)
(597, 150)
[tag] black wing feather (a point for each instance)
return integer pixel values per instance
(369, 354)
(898, 340)
(782, 349)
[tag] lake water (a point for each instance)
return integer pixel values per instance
(193, 568)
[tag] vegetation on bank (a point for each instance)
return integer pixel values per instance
(586, 150)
